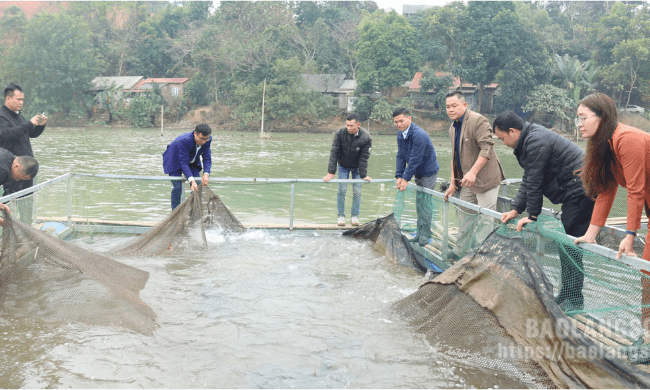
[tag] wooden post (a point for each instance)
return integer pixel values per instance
(263, 96)
(162, 118)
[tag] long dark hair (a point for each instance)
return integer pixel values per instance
(596, 173)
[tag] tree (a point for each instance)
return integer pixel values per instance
(388, 53)
(55, 64)
(549, 99)
(287, 98)
(485, 43)
(438, 84)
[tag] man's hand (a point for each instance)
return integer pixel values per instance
(401, 184)
(205, 180)
(627, 247)
(3, 207)
(35, 120)
(328, 177)
(468, 179)
(367, 178)
(450, 191)
(193, 186)
(505, 217)
(522, 222)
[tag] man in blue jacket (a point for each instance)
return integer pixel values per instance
(183, 156)
(416, 157)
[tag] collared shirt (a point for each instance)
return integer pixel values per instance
(458, 125)
(405, 133)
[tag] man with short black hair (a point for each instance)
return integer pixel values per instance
(183, 157)
(416, 157)
(549, 161)
(15, 169)
(350, 152)
(15, 134)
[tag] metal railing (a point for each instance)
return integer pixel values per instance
(594, 248)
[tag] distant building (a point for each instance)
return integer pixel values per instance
(124, 84)
(334, 85)
(471, 92)
(410, 10)
(169, 87)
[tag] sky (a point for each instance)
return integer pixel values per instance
(397, 4)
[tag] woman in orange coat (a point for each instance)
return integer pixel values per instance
(617, 154)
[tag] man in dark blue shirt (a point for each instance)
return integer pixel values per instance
(416, 157)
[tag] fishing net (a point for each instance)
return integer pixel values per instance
(48, 278)
(496, 310)
(185, 227)
(389, 240)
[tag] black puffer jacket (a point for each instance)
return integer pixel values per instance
(549, 161)
(350, 151)
(6, 159)
(15, 132)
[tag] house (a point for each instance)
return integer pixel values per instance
(170, 88)
(124, 84)
(471, 92)
(328, 84)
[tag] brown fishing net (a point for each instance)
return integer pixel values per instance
(185, 227)
(43, 276)
(496, 310)
(389, 240)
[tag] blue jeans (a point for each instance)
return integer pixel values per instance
(344, 173)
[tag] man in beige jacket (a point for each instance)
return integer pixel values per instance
(475, 169)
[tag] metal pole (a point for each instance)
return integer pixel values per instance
(70, 201)
(293, 191)
(445, 230)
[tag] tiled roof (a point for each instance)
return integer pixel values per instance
(324, 82)
(159, 80)
(126, 82)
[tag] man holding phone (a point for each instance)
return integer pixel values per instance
(15, 134)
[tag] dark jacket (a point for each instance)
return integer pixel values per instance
(6, 159)
(15, 132)
(181, 151)
(415, 155)
(549, 161)
(350, 151)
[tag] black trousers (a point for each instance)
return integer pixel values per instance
(576, 216)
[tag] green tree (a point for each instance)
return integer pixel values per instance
(55, 64)
(549, 100)
(438, 85)
(287, 98)
(388, 53)
(487, 41)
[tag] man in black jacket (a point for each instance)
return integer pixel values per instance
(550, 162)
(15, 132)
(15, 169)
(350, 151)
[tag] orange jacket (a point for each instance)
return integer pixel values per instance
(631, 169)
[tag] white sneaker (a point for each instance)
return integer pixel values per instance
(341, 221)
(354, 220)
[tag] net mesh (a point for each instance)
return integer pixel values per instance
(49, 278)
(496, 310)
(185, 227)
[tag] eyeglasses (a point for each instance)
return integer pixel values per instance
(580, 120)
(206, 139)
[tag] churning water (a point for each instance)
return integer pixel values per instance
(262, 309)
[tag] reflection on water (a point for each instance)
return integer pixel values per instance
(260, 309)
